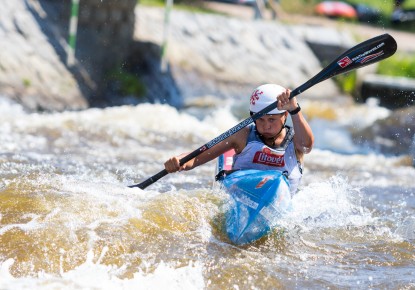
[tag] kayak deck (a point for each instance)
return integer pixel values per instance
(258, 200)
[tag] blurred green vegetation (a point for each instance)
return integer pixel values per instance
(127, 83)
(400, 65)
(347, 82)
(385, 7)
(26, 83)
(189, 5)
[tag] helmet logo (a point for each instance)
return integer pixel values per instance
(255, 96)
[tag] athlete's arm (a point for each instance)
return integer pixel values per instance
(236, 141)
(303, 137)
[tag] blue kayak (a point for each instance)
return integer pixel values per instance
(258, 200)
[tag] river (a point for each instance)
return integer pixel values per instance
(69, 221)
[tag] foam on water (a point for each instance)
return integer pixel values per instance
(333, 203)
(94, 275)
(369, 169)
(10, 109)
(336, 136)
(363, 115)
(406, 229)
(107, 216)
(33, 224)
(333, 136)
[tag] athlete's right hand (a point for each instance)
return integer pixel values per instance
(172, 165)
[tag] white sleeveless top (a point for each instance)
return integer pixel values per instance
(257, 155)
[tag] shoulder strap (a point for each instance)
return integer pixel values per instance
(288, 138)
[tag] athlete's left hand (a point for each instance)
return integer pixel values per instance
(285, 103)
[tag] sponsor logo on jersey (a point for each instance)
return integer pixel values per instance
(269, 158)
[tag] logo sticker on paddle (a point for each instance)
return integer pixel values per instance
(364, 57)
(344, 62)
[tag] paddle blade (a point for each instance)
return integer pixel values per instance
(363, 54)
(150, 180)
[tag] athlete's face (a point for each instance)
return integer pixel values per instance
(270, 125)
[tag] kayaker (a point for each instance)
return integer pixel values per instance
(269, 144)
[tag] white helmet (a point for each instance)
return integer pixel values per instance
(265, 95)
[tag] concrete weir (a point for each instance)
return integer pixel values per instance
(392, 92)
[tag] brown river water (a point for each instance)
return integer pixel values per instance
(69, 221)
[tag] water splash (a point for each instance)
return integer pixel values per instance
(330, 204)
(94, 275)
(406, 229)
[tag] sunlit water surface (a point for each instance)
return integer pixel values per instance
(69, 221)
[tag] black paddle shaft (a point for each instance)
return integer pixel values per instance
(363, 54)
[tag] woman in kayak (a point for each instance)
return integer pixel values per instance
(269, 144)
